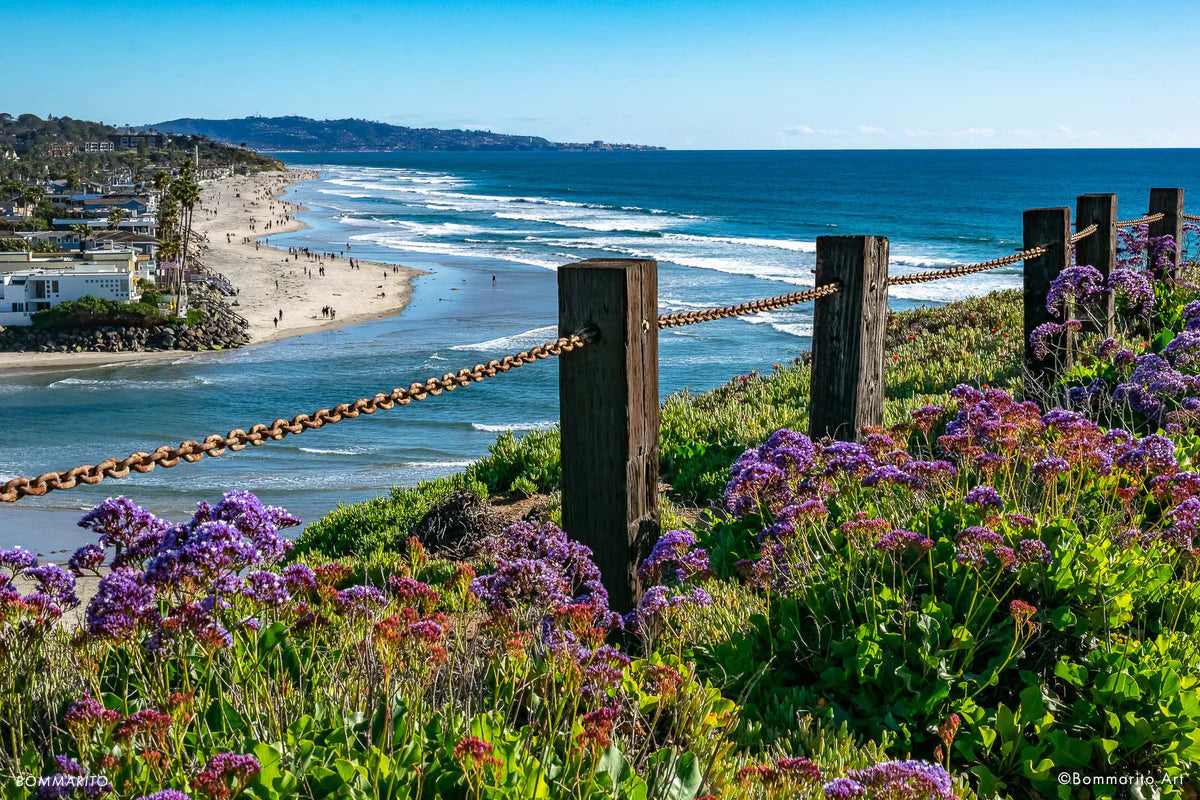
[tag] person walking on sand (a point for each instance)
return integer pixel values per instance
(281, 313)
(276, 321)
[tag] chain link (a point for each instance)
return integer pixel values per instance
(966, 269)
(752, 307)
(1146, 220)
(1079, 236)
(238, 439)
(1192, 217)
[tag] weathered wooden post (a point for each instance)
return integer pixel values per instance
(1170, 203)
(608, 403)
(1049, 228)
(848, 336)
(1098, 250)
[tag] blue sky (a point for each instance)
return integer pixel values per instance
(923, 73)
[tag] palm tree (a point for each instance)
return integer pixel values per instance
(114, 218)
(168, 221)
(32, 196)
(12, 189)
(82, 231)
(185, 192)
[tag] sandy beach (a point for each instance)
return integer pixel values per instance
(234, 214)
(236, 211)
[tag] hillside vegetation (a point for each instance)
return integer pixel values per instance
(994, 595)
(300, 134)
(30, 137)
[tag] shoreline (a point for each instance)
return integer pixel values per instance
(252, 269)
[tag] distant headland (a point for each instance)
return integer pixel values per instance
(302, 134)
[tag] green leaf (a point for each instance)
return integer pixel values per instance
(1062, 618)
(613, 763)
(1033, 707)
(1073, 674)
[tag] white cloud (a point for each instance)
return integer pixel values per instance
(798, 130)
(872, 130)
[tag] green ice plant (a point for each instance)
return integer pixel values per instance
(985, 607)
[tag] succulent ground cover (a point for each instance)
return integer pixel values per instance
(997, 587)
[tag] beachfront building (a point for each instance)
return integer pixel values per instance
(12, 210)
(58, 149)
(30, 283)
(63, 240)
(131, 141)
(133, 203)
(145, 224)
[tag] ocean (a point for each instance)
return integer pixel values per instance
(725, 226)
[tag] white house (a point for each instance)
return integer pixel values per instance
(29, 284)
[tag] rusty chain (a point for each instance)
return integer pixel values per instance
(752, 307)
(238, 439)
(1079, 236)
(1192, 217)
(966, 269)
(1146, 220)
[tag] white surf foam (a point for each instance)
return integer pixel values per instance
(515, 426)
(124, 383)
(395, 242)
(333, 451)
(521, 340)
(779, 244)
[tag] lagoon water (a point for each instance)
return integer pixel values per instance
(725, 226)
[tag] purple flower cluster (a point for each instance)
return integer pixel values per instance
(898, 541)
(790, 475)
(894, 780)
(52, 592)
(157, 566)
(1133, 291)
(1082, 284)
(675, 549)
(122, 606)
(1047, 337)
(266, 589)
(123, 524)
(222, 770)
(1003, 448)
(655, 603)
(1139, 251)
(985, 498)
(543, 572)
(360, 602)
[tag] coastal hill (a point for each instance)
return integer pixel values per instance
(302, 134)
(32, 147)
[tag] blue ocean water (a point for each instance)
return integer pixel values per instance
(725, 227)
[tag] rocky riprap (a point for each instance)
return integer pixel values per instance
(220, 329)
